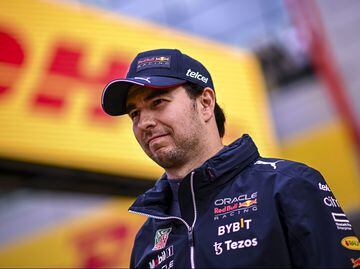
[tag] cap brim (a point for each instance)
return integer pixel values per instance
(113, 99)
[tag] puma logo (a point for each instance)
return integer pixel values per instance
(147, 79)
(273, 164)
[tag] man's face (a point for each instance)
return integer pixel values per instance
(166, 123)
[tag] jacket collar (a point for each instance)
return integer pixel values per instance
(234, 157)
(222, 167)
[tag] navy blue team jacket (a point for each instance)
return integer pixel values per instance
(240, 210)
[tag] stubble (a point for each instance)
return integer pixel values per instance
(184, 145)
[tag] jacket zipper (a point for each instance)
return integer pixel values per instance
(190, 229)
(191, 236)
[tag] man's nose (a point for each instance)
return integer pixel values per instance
(146, 121)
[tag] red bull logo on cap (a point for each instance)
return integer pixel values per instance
(153, 62)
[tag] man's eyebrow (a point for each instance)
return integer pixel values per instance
(156, 93)
(151, 95)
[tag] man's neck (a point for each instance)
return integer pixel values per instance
(196, 161)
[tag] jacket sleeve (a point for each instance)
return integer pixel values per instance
(317, 230)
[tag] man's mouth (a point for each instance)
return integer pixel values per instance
(155, 137)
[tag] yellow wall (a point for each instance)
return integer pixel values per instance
(50, 112)
(75, 137)
(329, 149)
(102, 238)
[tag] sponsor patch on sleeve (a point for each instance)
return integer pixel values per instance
(351, 242)
(341, 221)
(355, 262)
(153, 62)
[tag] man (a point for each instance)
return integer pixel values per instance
(219, 206)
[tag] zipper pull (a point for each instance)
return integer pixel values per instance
(191, 237)
(192, 252)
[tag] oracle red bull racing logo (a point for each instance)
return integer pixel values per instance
(243, 203)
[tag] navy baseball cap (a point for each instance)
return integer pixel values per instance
(156, 69)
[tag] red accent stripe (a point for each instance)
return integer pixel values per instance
(307, 19)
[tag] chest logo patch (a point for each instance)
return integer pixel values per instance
(153, 62)
(161, 237)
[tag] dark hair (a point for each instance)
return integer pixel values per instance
(194, 90)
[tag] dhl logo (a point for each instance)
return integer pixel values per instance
(248, 203)
(62, 77)
(52, 76)
(98, 247)
(351, 242)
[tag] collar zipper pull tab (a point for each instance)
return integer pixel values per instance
(191, 237)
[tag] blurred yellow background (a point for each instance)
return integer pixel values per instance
(55, 60)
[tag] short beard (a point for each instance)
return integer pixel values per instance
(177, 156)
(186, 147)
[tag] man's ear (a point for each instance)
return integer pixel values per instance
(207, 103)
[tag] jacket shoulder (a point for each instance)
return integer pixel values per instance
(283, 167)
(145, 227)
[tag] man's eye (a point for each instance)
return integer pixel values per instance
(157, 102)
(134, 114)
